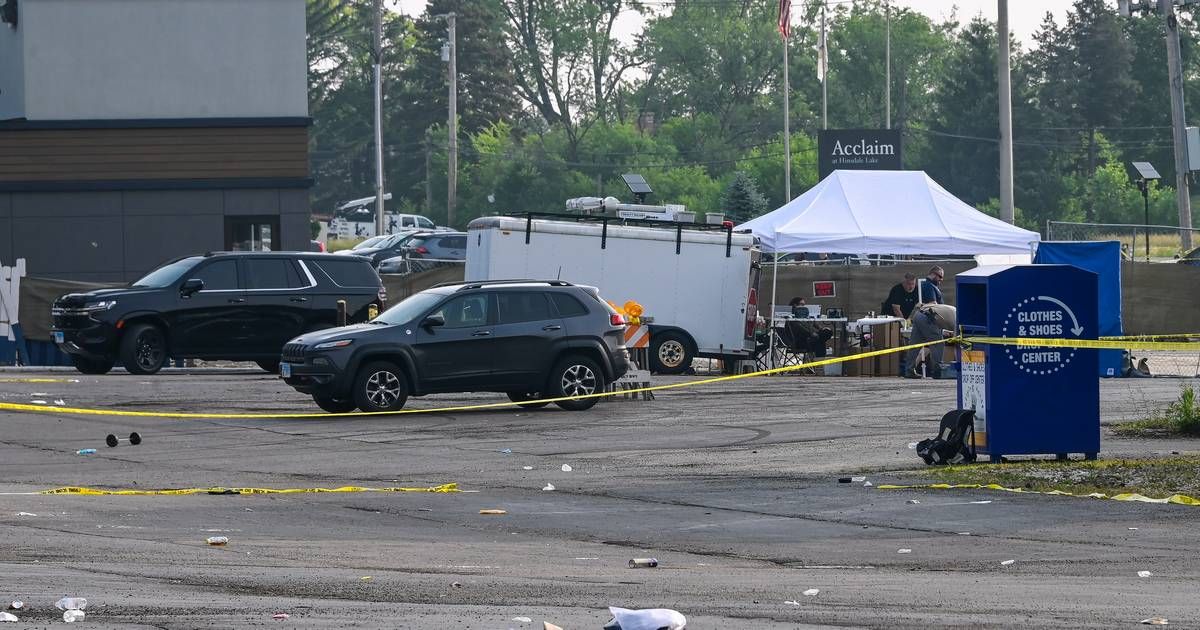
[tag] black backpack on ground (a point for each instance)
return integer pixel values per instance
(955, 441)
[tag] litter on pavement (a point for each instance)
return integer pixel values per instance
(1007, 562)
(71, 603)
(280, 616)
(643, 563)
(17, 605)
(549, 487)
(217, 541)
(4, 616)
(26, 514)
(812, 592)
(648, 619)
(522, 620)
(493, 512)
(904, 551)
(567, 468)
(73, 615)
(1156, 621)
(1144, 574)
(546, 625)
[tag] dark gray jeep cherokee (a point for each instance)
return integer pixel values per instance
(529, 339)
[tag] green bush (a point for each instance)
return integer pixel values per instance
(1183, 415)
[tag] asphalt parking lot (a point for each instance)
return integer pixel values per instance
(733, 487)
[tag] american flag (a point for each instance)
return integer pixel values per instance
(785, 18)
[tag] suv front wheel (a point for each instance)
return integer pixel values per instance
(143, 349)
(576, 376)
(380, 386)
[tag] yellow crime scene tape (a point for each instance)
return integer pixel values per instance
(1173, 336)
(1177, 499)
(82, 490)
(497, 405)
(1096, 344)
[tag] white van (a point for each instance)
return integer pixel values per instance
(699, 286)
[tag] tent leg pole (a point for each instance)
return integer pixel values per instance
(774, 286)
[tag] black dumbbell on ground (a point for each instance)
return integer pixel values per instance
(134, 439)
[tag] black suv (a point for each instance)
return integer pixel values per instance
(240, 306)
(529, 339)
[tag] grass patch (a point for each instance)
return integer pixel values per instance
(338, 244)
(1181, 417)
(1151, 477)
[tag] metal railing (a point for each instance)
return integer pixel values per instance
(1157, 243)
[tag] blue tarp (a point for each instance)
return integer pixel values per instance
(1104, 258)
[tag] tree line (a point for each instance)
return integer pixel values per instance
(553, 104)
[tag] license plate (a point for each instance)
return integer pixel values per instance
(58, 336)
(285, 370)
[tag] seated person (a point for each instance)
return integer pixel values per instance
(902, 298)
(798, 307)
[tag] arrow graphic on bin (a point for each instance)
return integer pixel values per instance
(1077, 330)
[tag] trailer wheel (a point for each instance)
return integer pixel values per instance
(670, 353)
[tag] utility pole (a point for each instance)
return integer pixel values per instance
(452, 124)
(1004, 78)
(1175, 67)
(378, 54)
(428, 169)
(824, 63)
(887, 68)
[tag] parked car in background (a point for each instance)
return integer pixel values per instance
(364, 244)
(1191, 257)
(396, 264)
(426, 251)
(316, 246)
(389, 247)
(239, 306)
(528, 339)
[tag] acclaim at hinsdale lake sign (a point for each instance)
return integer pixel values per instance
(858, 149)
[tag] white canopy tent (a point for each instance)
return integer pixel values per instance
(883, 212)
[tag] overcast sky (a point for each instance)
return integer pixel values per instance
(1024, 16)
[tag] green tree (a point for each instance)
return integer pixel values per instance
(568, 64)
(962, 156)
(741, 200)
(1103, 85)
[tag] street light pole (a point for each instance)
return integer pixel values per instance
(378, 54)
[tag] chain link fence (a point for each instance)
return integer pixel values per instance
(1149, 243)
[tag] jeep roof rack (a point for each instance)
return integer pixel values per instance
(463, 286)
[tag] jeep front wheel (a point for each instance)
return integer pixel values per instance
(380, 386)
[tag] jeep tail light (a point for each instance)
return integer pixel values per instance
(421, 249)
(616, 319)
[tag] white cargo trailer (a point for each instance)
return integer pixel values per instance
(699, 286)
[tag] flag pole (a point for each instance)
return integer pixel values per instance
(787, 132)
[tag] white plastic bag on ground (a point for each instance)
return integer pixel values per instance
(648, 619)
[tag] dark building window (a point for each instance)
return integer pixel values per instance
(252, 234)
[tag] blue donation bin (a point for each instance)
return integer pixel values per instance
(1030, 400)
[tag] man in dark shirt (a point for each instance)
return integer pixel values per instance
(931, 291)
(902, 298)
